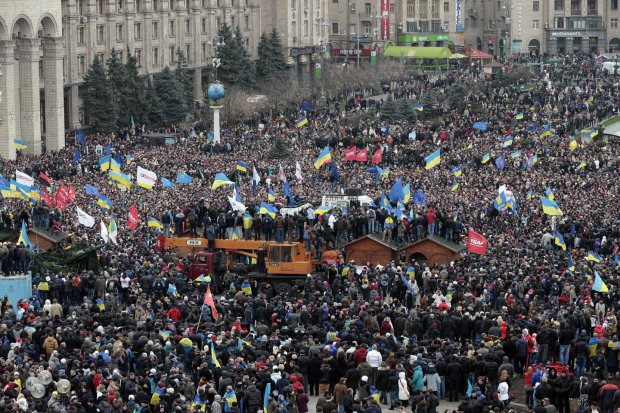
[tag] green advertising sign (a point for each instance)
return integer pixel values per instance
(405, 39)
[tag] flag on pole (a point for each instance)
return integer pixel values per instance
(167, 183)
(281, 173)
(255, 179)
(84, 218)
(214, 356)
(154, 223)
(433, 159)
(104, 232)
(266, 398)
(113, 230)
(145, 178)
(559, 240)
(23, 178)
(324, 157)
(599, 285)
(476, 243)
(209, 301)
(20, 144)
(132, 220)
(23, 236)
(298, 172)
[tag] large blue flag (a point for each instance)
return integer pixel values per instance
(419, 198)
(396, 193)
(91, 190)
(76, 156)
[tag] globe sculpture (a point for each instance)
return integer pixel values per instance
(216, 91)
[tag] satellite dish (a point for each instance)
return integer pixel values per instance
(38, 391)
(63, 386)
(45, 377)
(30, 382)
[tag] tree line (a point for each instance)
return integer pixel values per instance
(115, 93)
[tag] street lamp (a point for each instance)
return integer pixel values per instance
(218, 41)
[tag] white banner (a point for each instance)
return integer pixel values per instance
(23, 178)
(146, 179)
(104, 232)
(236, 205)
(84, 218)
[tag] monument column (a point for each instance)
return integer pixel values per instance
(30, 103)
(53, 53)
(7, 99)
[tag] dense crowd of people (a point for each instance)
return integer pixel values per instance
(521, 324)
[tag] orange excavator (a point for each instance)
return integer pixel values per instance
(284, 262)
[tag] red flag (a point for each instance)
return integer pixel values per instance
(378, 156)
(46, 197)
(209, 301)
(476, 243)
(132, 221)
(62, 197)
(362, 156)
(45, 178)
(349, 154)
(71, 193)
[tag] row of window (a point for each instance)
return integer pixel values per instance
(155, 56)
(137, 29)
(421, 7)
(119, 5)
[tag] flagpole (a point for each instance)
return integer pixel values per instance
(200, 316)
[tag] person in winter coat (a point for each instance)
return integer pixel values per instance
(432, 379)
(302, 401)
(417, 380)
(454, 373)
(383, 381)
(325, 378)
(403, 389)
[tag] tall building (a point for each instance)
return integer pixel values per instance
(49, 45)
(302, 26)
(371, 24)
(550, 26)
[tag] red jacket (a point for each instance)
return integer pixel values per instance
(431, 217)
(174, 314)
(360, 355)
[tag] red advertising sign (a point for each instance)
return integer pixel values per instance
(476, 243)
(385, 19)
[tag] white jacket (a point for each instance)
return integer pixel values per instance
(403, 387)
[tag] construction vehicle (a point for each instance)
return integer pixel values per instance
(285, 263)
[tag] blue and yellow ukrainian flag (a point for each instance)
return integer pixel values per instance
(455, 186)
(214, 356)
(407, 193)
(571, 264)
(549, 193)
(219, 180)
(592, 132)
(599, 285)
(533, 160)
(530, 194)
(433, 159)
(515, 154)
(23, 236)
(324, 157)
(270, 195)
(302, 121)
(385, 173)
(121, 179)
(458, 171)
(550, 207)
(322, 209)
(104, 202)
(519, 116)
(20, 144)
(246, 288)
(546, 131)
(593, 256)
(572, 144)
(419, 108)
(104, 163)
(486, 158)
(559, 240)
(581, 165)
(154, 223)
(410, 271)
(242, 166)
(508, 141)
(268, 209)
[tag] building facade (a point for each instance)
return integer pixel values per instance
(550, 26)
(302, 25)
(47, 46)
(31, 55)
(370, 24)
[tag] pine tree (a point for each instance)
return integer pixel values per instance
(388, 110)
(170, 92)
(279, 150)
(264, 64)
(135, 100)
(456, 96)
(154, 109)
(99, 99)
(117, 76)
(277, 52)
(404, 110)
(247, 78)
(229, 54)
(184, 77)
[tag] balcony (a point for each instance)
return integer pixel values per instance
(367, 17)
(575, 12)
(592, 12)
